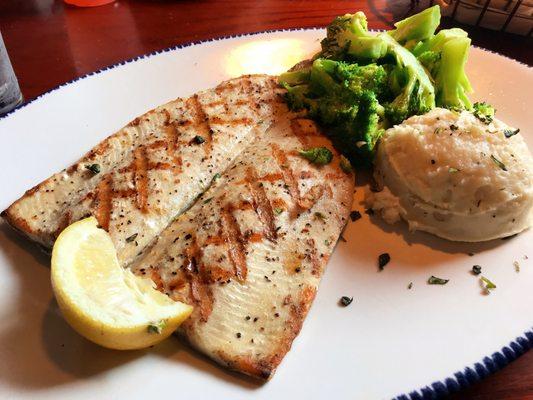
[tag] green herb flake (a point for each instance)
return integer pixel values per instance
(437, 130)
(327, 242)
(498, 162)
(433, 280)
(208, 200)
(476, 269)
(318, 155)
(484, 112)
(131, 238)
(345, 301)
(383, 260)
(516, 266)
(452, 170)
(345, 165)
(320, 216)
(488, 284)
(216, 177)
(510, 132)
(278, 210)
(198, 139)
(94, 168)
(157, 327)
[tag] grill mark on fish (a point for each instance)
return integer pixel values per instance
(140, 178)
(288, 177)
(276, 176)
(313, 257)
(200, 293)
(233, 237)
(104, 199)
(231, 122)
(172, 135)
(202, 120)
(311, 197)
(156, 277)
(262, 205)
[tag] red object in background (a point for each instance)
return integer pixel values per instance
(88, 3)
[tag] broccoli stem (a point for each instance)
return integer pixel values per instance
(451, 81)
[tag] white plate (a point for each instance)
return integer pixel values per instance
(390, 341)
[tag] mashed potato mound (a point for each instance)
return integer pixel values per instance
(452, 175)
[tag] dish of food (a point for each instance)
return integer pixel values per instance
(248, 253)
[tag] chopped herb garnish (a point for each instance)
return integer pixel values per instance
(345, 301)
(488, 284)
(345, 165)
(410, 286)
(484, 112)
(320, 216)
(157, 327)
(383, 260)
(476, 269)
(516, 266)
(498, 162)
(94, 168)
(131, 238)
(208, 200)
(510, 132)
(355, 215)
(260, 122)
(198, 139)
(452, 170)
(433, 280)
(216, 176)
(453, 127)
(327, 242)
(278, 210)
(437, 131)
(318, 155)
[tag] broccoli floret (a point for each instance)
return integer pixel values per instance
(484, 112)
(318, 155)
(416, 28)
(412, 87)
(348, 38)
(343, 97)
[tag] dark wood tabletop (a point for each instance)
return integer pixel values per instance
(50, 43)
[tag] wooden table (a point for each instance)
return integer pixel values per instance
(50, 43)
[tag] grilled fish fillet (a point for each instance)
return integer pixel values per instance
(151, 170)
(250, 253)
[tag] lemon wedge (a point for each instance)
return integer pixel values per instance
(104, 302)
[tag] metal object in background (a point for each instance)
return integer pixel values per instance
(10, 95)
(514, 16)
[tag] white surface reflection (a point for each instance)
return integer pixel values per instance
(264, 57)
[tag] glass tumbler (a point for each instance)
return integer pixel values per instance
(10, 95)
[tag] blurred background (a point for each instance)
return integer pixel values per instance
(50, 42)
